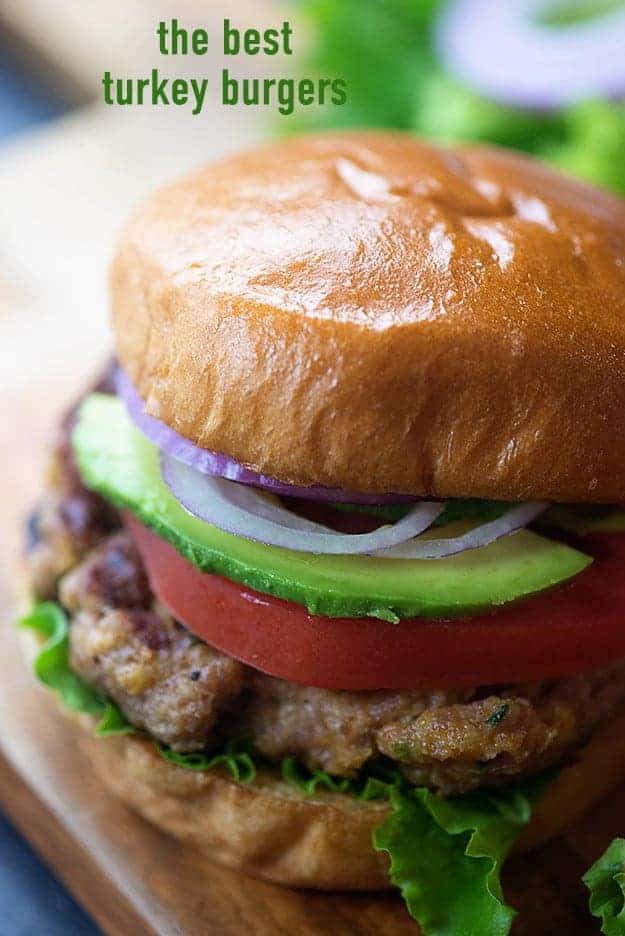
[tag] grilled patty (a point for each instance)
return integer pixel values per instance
(190, 696)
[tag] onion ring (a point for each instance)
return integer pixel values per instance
(511, 521)
(504, 51)
(253, 515)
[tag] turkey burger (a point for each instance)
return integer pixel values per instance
(332, 563)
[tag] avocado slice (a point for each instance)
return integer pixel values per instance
(120, 464)
(583, 519)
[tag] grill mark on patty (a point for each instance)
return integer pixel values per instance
(69, 520)
(149, 631)
(118, 580)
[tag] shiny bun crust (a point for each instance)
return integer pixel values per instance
(369, 312)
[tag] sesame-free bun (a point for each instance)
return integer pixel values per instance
(369, 312)
(268, 829)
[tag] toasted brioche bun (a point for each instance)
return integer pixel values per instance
(369, 312)
(269, 830)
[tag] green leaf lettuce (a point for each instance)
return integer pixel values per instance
(236, 759)
(446, 857)
(52, 668)
(606, 883)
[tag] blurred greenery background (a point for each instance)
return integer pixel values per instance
(385, 49)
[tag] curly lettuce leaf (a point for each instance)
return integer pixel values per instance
(309, 781)
(237, 759)
(606, 883)
(113, 722)
(374, 782)
(52, 669)
(433, 842)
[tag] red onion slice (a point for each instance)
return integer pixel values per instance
(250, 514)
(511, 521)
(222, 466)
(506, 52)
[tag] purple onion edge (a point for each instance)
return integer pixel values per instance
(220, 465)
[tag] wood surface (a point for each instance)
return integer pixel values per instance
(63, 193)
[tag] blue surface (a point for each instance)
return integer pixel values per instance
(24, 103)
(32, 902)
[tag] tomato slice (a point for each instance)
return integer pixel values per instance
(574, 628)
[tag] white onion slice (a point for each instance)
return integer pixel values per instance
(246, 512)
(510, 522)
(503, 50)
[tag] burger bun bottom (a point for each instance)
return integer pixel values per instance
(270, 830)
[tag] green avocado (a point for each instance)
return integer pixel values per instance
(583, 519)
(120, 464)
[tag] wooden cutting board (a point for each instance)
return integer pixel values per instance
(63, 194)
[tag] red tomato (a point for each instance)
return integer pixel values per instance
(575, 627)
